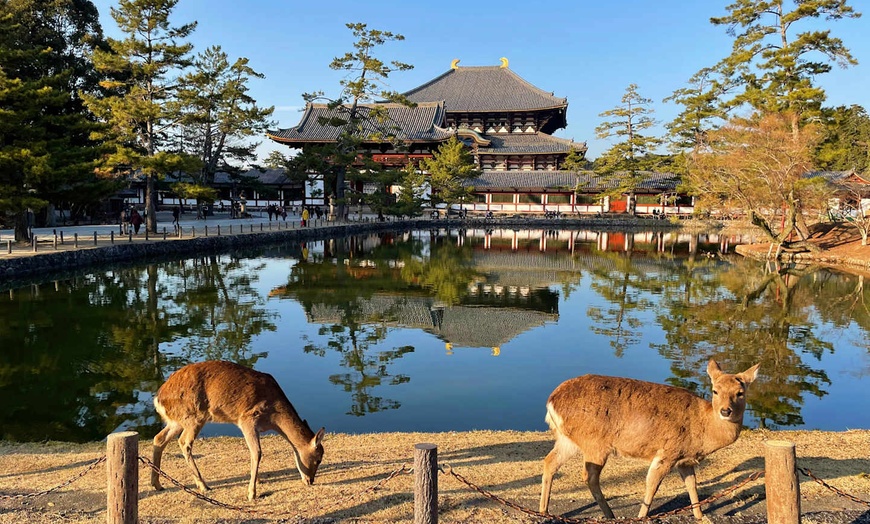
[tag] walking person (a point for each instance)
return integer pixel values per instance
(304, 217)
(136, 220)
(176, 214)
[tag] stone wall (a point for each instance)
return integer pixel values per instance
(58, 262)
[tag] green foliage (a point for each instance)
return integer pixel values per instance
(774, 60)
(846, 145)
(449, 168)
(46, 153)
(702, 108)
(575, 161)
(625, 159)
(412, 194)
(140, 105)
(218, 114)
(366, 81)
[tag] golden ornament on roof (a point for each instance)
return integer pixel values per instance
(504, 62)
(454, 64)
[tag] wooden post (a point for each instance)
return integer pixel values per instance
(781, 483)
(112, 237)
(164, 232)
(9, 246)
(425, 484)
(76, 240)
(33, 242)
(122, 472)
(95, 238)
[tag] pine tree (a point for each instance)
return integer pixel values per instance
(366, 83)
(777, 65)
(46, 154)
(624, 162)
(218, 116)
(140, 107)
(450, 167)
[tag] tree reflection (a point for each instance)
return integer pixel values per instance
(751, 316)
(82, 357)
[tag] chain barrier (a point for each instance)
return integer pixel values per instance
(84, 472)
(448, 470)
(269, 513)
(827, 486)
(402, 469)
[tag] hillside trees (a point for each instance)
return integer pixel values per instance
(141, 106)
(46, 153)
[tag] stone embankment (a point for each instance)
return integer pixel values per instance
(47, 262)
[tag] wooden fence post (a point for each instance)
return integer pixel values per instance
(425, 484)
(781, 484)
(122, 472)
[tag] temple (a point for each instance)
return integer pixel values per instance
(508, 125)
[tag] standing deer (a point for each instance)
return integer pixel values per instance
(216, 391)
(670, 426)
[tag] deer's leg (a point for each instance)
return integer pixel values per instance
(252, 438)
(185, 442)
(593, 478)
(688, 475)
(562, 451)
(168, 433)
(657, 471)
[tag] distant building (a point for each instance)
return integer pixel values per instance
(508, 125)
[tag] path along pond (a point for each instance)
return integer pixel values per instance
(436, 330)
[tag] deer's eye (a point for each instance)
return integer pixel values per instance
(739, 394)
(715, 392)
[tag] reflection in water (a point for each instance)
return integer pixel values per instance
(81, 357)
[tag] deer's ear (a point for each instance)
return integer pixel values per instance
(713, 369)
(750, 374)
(318, 438)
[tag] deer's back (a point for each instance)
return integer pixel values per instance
(219, 391)
(630, 417)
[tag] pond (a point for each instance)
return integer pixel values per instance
(436, 331)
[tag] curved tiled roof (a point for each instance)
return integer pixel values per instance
(485, 89)
(585, 180)
(421, 123)
(532, 143)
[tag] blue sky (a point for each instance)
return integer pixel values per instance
(586, 51)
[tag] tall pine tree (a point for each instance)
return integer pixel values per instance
(140, 107)
(46, 154)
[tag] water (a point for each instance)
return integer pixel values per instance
(436, 331)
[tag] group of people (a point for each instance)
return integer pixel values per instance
(276, 211)
(131, 219)
(309, 213)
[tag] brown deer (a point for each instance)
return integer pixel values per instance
(670, 426)
(216, 391)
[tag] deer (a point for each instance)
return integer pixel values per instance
(600, 416)
(218, 391)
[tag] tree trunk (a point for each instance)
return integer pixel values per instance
(22, 227)
(150, 204)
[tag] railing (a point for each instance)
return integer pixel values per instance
(782, 489)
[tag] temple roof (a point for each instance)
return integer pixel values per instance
(529, 143)
(584, 180)
(485, 89)
(421, 123)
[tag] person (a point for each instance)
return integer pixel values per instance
(304, 217)
(136, 220)
(176, 213)
(270, 210)
(124, 220)
(283, 213)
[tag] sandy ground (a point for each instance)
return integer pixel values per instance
(351, 484)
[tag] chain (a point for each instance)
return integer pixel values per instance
(252, 511)
(402, 469)
(84, 472)
(832, 488)
(195, 493)
(446, 469)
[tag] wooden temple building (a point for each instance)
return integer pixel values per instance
(508, 125)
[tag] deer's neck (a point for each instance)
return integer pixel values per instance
(286, 421)
(718, 432)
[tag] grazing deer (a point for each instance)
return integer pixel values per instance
(601, 416)
(216, 391)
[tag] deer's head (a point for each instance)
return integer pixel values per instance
(729, 391)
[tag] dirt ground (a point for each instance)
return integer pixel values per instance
(353, 486)
(839, 242)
